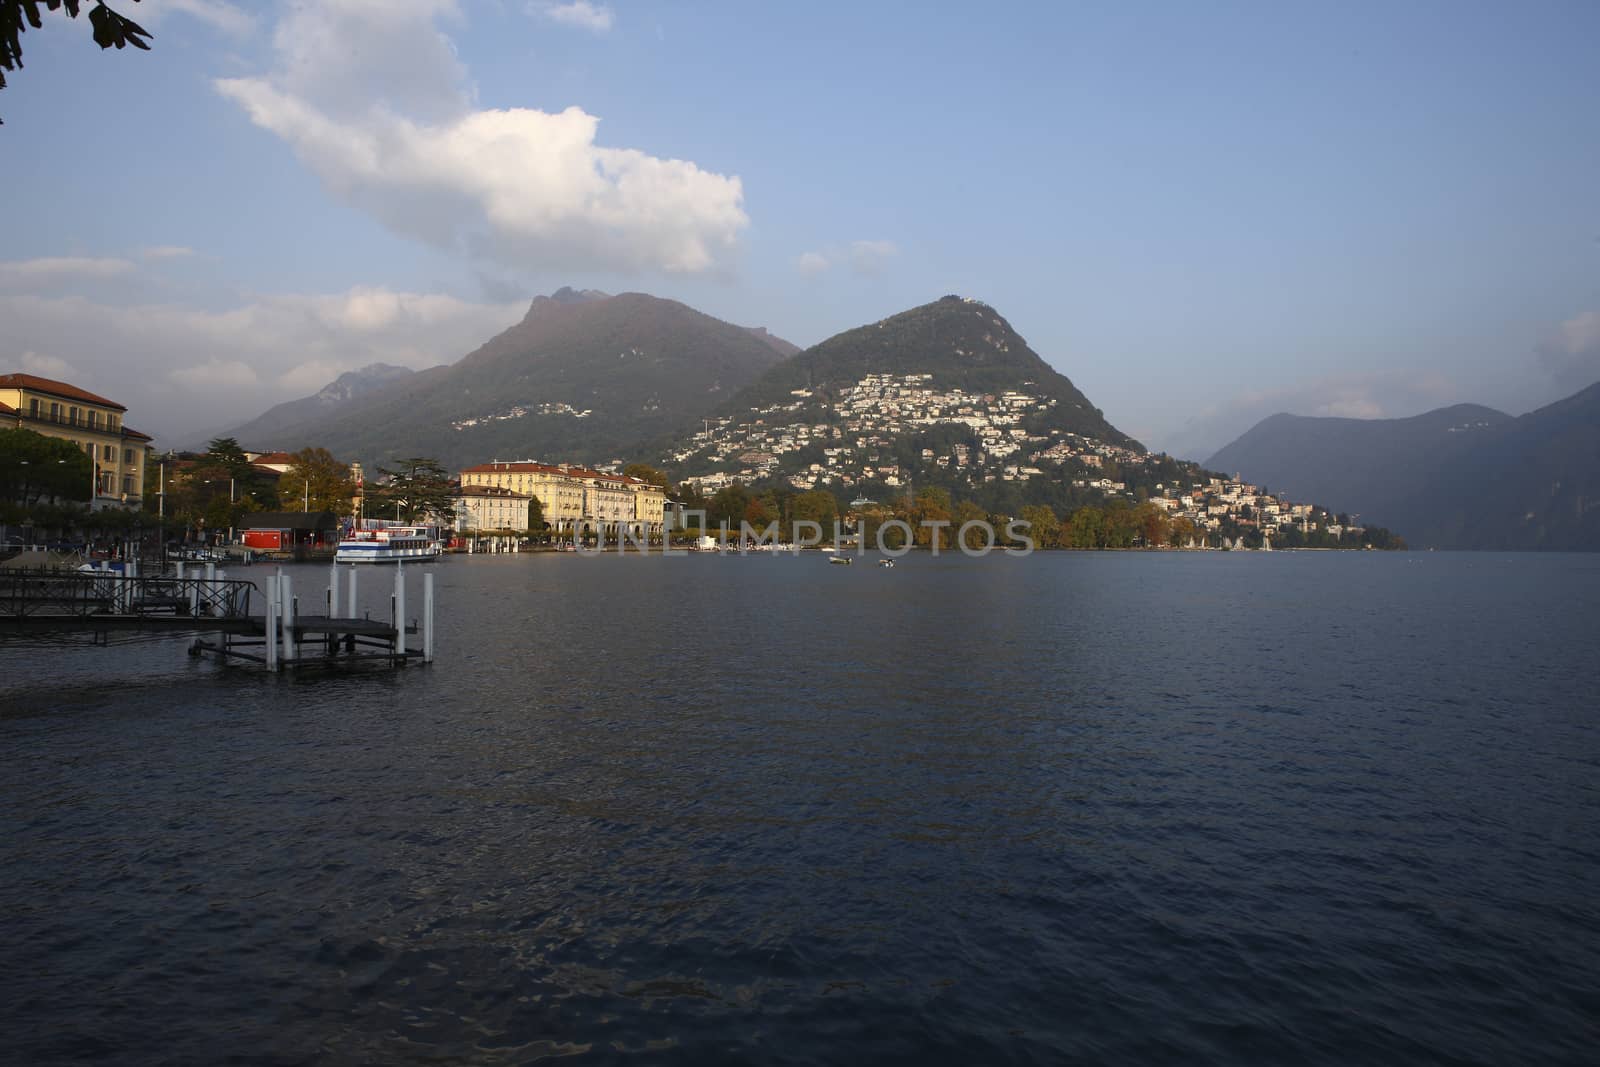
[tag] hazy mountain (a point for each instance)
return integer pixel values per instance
(1459, 477)
(263, 431)
(584, 376)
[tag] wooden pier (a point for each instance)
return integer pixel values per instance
(219, 611)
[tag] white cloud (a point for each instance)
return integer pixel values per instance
(26, 273)
(1351, 407)
(871, 257)
(1571, 353)
(579, 13)
(394, 132)
(166, 252)
(46, 366)
(181, 369)
(218, 14)
(213, 373)
(812, 263)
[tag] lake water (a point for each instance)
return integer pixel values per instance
(1157, 808)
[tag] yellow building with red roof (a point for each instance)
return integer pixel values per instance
(577, 498)
(91, 422)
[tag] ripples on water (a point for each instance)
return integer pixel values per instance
(1120, 808)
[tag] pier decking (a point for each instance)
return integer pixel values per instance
(218, 610)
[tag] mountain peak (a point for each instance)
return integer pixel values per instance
(566, 296)
(353, 383)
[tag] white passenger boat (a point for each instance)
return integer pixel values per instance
(389, 544)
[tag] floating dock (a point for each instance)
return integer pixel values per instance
(218, 609)
(283, 638)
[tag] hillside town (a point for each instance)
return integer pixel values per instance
(850, 441)
(305, 499)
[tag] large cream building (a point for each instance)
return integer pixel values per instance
(576, 499)
(490, 507)
(93, 423)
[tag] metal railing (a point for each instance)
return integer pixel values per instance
(86, 595)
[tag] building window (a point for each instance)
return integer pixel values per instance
(127, 455)
(127, 483)
(94, 419)
(72, 416)
(111, 422)
(55, 412)
(110, 453)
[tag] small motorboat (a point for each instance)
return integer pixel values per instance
(886, 563)
(845, 560)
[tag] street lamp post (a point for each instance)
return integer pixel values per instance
(161, 510)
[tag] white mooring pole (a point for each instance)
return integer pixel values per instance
(272, 625)
(427, 617)
(333, 593)
(353, 600)
(399, 608)
(286, 614)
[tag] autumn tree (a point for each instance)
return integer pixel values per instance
(932, 505)
(1151, 524)
(645, 473)
(818, 506)
(317, 482)
(975, 538)
(1044, 526)
(1086, 529)
(1118, 527)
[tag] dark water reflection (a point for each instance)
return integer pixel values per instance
(1287, 808)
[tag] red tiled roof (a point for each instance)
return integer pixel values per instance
(274, 457)
(55, 388)
(129, 431)
(547, 468)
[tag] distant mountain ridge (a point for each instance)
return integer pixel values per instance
(584, 376)
(1465, 476)
(286, 417)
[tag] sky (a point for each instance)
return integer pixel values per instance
(1201, 214)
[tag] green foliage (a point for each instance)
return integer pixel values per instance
(316, 481)
(34, 467)
(414, 488)
(536, 519)
(818, 506)
(226, 453)
(1086, 529)
(110, 29)
(727, 505)
(646, 473)
(1044, 526)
